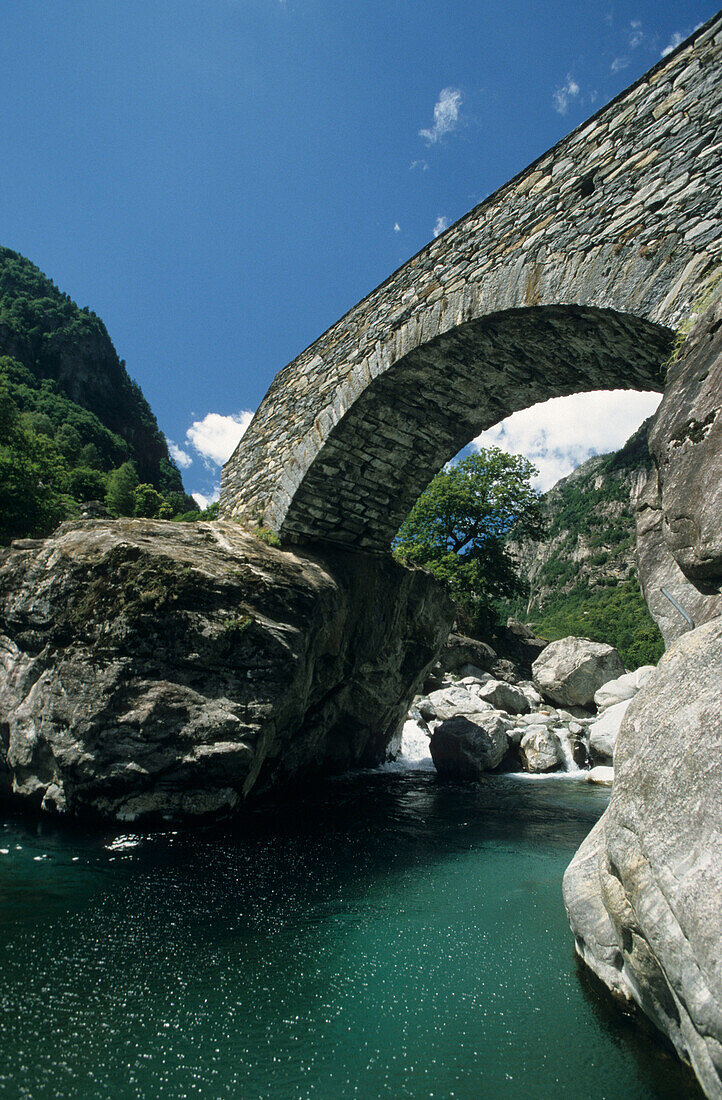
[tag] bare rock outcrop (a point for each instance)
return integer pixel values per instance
(155, 670)
(679, 515)
(643, 892)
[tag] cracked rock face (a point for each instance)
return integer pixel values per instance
(643, 892)
(155, 670)
(679, 517)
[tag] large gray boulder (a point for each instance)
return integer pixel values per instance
(466, 747)
(644, 892)
(504, 696)
(570, 670)
(539, 750)
(153, 670)
(450, 701)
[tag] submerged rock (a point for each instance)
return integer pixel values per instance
(165, 670)
(570, 670)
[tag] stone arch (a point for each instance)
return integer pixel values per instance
(372, 464)
(602, 244)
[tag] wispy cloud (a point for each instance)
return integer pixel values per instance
(564, 95)
(442, 223)
(560, 434)
(397, 227)
(674, 41)
(181, 458)
(446, 115)
(422, 165)
(215, 437)
(636, 34)
(618, 64)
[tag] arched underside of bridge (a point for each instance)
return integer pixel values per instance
(568, 278)
(410, 420)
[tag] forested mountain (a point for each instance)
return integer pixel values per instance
(582, 575)
(74, 427)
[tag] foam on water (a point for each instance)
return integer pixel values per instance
(414, 755)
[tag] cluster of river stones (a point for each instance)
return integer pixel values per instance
(566, 718)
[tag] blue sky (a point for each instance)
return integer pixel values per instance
(220, 181)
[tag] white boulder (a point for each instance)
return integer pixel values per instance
(624, 687)
(570, 670)
(503, 696)
(539, 750)
(603, 733)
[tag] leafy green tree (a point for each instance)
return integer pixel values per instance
(32, 477)
(89, 457)
(120, 494)
(182, 505)
(459, 524)
(40, 423)
(68, 442)
(86, 484)
(148, 501)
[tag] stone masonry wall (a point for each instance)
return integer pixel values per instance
(618, 224)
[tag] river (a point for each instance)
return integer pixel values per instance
(388, 935)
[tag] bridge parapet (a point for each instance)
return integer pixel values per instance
(619, 224)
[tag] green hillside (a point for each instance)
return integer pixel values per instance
(582, 577)
(74, 427)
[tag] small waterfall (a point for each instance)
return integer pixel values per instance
(563, 739)
(413, 752)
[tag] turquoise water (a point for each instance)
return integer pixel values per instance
(389, 936)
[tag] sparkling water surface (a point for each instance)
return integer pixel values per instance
(389, 935)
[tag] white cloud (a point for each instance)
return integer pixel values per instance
(203, 501)
(215, 437)
(674, 41)
(397, 227)
(560, 434)
(618, 64)
(564, 94)
(636, 34)
(446, 115)
(181, 458)
(441, 224)
(420, 164)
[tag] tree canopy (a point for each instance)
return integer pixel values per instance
(458, 527)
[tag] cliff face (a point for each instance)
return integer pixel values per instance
(644, 891)
(590, 516)
(583, 575)
(45, 331)
(155, 670)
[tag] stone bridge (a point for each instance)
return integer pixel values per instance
(573, 276)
